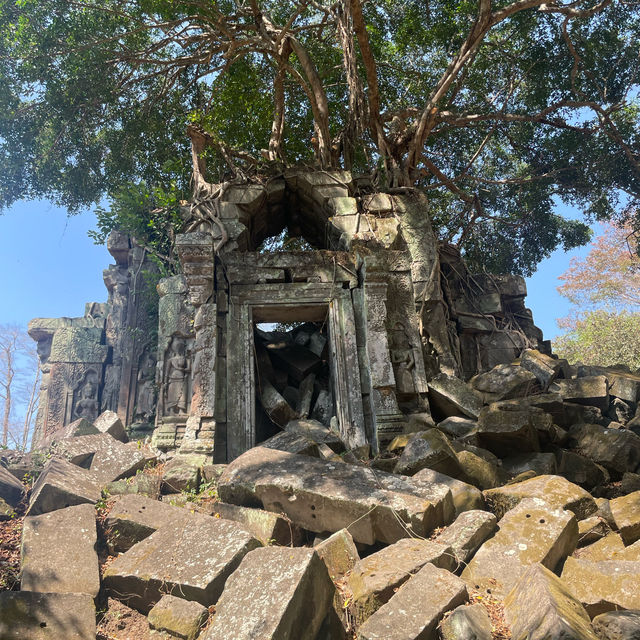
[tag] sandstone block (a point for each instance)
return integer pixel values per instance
(59, 552)
(275, 594)
(182, 473)
(467, 534)
(11, 489)
(478, 471)
(428, 450)
(505, 432)
(316, 432)
(456, 426)
(63, 484)
(109, 422)
(322, 496)
(121, 460)
(25, 615)
(414, 612)
(591, 530)
(192, 558)
(603, 549)
(467, 623)
(581, 470)
(292, 443)
(541, 463)
(144, 484)
(450, 396)
(554, 490)
(591, 390)
(503, 382)
(618, 450)
(531, 532)
(540, 607)
(603, 586)
(617, 625)
(375, 578)
(339, 553)
(464, 495)
(626, 513)
(178, 617)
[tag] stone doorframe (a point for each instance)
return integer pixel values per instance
(249, 304)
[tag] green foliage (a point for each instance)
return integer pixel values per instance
(602, 337)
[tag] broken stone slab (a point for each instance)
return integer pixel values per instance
(545, 368)
(292, 443)
(339, 553)
(554, 490)
(467, 534)
(624, 385)
(581, 470)
(617, 450)
(582, 414)
(178, 617)
(297, 361)
(414, 612)
(457, 426)
(541, 607)
(109, 422)
(323, 408)
(626, 514)
(504, 382)
(275, 594)
(604, 549)
(63, 484)
(275, 406)
(450, 396)
(320, 496)
(11, 489)
(305, 396)
(480, 472)
(428, 450)
(467, 622)
(144, 484)
(26, 615)
(377, 577)
(316, 432)
(620, 411)
(603, 586)
(118, 460)
(192, 558)
(505, 431)
(182, 473)
(268, 527)
(591, 390)
(630, 482)
(133, 518)
(80, 427)
(533, 531)
(59, 552)
(542, 463)
(464, 495)
(617, 625)
(6, 512)
(591, 530)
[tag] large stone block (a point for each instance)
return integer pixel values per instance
(109, 422)
(322, 496)
(177, 617)
(414, 612)
(540, 607)
(339, 553)
(617, 625)
(275, 594)
(626, 513)
(59, 552)
(504, 382)
(617, 450)
(450, 396)
(591, 390)
(467, 622)
(191, 559)
(63, 484)
(464, 496)
(531, 532)
(27, 615)
(505, 432)
(428, 450)
(11, 489)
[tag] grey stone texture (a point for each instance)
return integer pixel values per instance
(467, 623)
(178, 617)
(11, 489)
(617, 625)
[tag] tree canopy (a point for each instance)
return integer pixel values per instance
(495, 108)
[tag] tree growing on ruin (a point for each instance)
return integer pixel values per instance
(494, 108)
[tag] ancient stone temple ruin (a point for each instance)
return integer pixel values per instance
(352, 328)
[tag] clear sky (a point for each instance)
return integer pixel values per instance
(51, 268)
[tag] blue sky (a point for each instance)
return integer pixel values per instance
(51, 268)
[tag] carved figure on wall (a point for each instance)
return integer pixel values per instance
(402, 360)
(177, 381)
(146, 391)
(87, 406)
(111, 388)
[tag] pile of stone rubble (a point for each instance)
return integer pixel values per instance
(515, 515)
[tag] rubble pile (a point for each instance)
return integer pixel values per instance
(516, 515)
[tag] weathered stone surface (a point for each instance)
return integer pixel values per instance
(63, 484)
(624, 385)
(581, 470)
(603, 549)
(545, 368)
(451, 396)
(133, 518)
(339, 553)
(182, 473)
(456, 426)
(554, 490)
(316, 432)
(192, 558)
(540, 607)
(428, 450)
(121, 460)
(467, 534)
(626, 514)
(591, 390)
(178, 617)
(504, 382)
(26, 615)
(630, 482)
(617, 625)
(464, 495)
(109, 422)
(58, 552)
(275, 594)
(6, 512)
(11, 489)
(603, 586)
(292, 443)
(478, 471)
(276, 407)
(592, 529)
(505, 432)
(467, 623)
(377, 577)
(144, 484)
(533, 531)
(414, 612)
(324, 496)
(80, 427)
(541, 463)
(268, 527)
(618, 450)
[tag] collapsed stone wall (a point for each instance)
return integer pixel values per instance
(397, 308)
